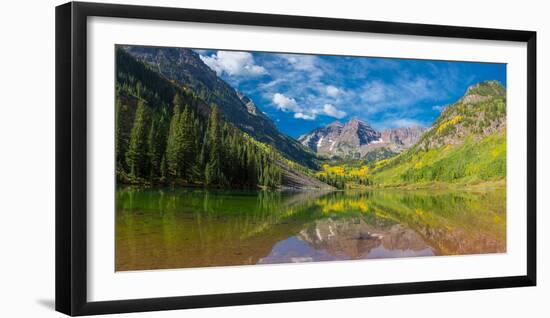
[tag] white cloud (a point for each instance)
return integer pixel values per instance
(330, 110)
(304, 116)
(375, 92)
(289, 104)
(439, 108)
(233, 64)
(271, 84)
(285, 103)
(406, 122)
(201, 51)
(332, 91)
(400, 94)
(302, 62)
(393, 122)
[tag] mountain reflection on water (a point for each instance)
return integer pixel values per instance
(348, 239)
(179, 228)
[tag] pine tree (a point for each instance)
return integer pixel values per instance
(155, 141)
(187, 144)
(163, 168)
(173, 143)
(195, 136)
(136, 156)
(197, 132)
(212, 173)
(120, 144)
(251, 167)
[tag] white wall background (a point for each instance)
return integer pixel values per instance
(27, 158)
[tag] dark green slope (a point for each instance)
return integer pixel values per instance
(165, 134)
(222, 156)
(467, 143)
(186, 68)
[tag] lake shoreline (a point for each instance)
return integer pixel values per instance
(478, 185)
(472, 186)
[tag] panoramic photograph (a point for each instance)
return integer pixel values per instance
(228, 158)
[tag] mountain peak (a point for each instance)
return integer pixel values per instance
(487, 88)
(356, 120)
(336, 123)
(356, 138)
(479, 113)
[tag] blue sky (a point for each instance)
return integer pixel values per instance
(303, 92)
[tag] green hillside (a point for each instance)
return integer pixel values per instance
(167, 134)
(184, 67)
(466, 144)
(470, 161)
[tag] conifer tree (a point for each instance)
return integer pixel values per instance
(187, 144)
(136, 156)
(155, 140)
(173, 143)
(163, 168)
(213, 174)
(120, 144)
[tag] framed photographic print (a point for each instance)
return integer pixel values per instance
(208, 158)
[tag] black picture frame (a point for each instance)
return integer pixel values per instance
(71, 157)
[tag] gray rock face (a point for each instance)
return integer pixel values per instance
(357, 133)
(356, 138)
(249, 104)
(322, 139)
(402, 138)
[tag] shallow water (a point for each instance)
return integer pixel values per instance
(179, 228)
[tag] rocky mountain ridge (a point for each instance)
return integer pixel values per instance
(357, 138)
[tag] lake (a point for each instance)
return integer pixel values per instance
(181, 227)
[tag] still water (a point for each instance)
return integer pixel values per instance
(179, 228)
